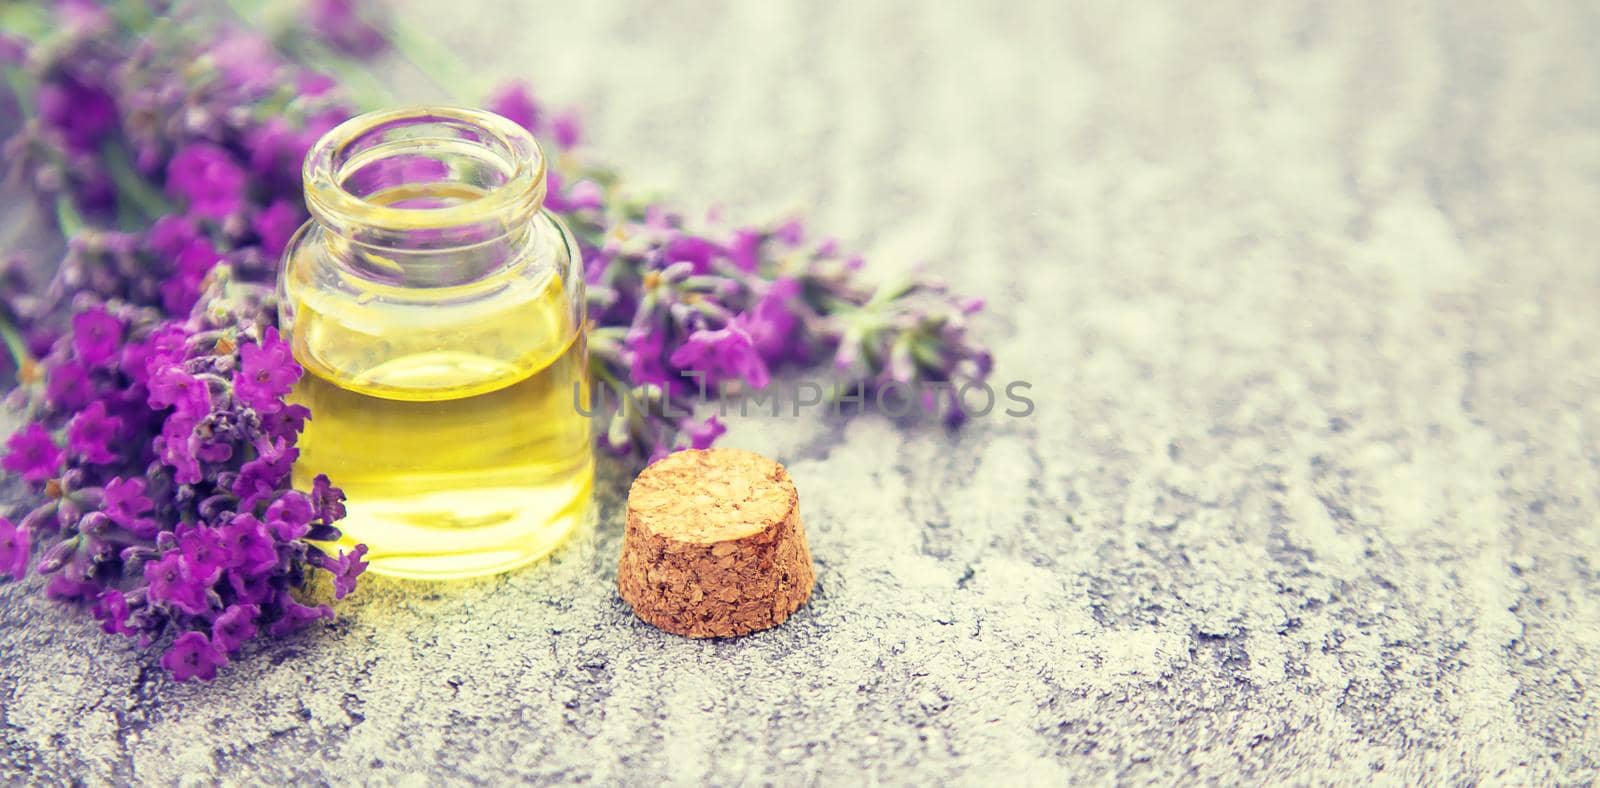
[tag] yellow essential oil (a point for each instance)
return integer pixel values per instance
(438, 314)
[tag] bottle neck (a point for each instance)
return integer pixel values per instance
(425, 197)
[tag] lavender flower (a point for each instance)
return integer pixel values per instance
(15, 546)
(515, 101)
(112, 611)
(209, 179)
(275, 225)
(90, 434)
(192, 656)
(268, 373)
(235, 627)
(156, 514)
(96, 336)
(345, 28)
(154, 377)
(722, 354)
(33, 454)
(82, 114)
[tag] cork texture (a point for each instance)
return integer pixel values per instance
(714, 545)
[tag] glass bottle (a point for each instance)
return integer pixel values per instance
(438, 311)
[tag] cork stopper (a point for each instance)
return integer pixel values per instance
(714, 545)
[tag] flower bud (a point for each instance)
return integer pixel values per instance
(95, 524)
(42, 518)
(57, 556)
(677, 272)
(71, 481)
(134, 554)
(89, 497)
(100, 551)
(216, 507)
(323, 533)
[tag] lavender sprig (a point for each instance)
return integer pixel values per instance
(728, 305)
(153, 375)
(151, 370)
(163, 452)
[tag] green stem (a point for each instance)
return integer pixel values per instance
(368, 91)
(21, 83)
(27, 20)
(435, 61)
(140, 192)
(68, 220)
(134, 15)
(67, 217)
(15, 346)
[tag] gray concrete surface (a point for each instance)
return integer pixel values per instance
(1307, 294)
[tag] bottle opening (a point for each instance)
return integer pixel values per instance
(425, 196)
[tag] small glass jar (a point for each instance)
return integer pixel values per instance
(438, 311)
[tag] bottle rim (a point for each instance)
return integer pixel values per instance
(511, 202)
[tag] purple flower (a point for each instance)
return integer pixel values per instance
(180, 291)
(745, 250)
(515, 102)
(772, 321)
(567, 130)
(203, 554)
(261, 477)
(345, 569)
(290, 515)
(91, 432)
(15, 549)
(176, 447)
(296, 615)
(286, 423)
(65, 589)
(13, 49)
(248, 587)
(792, 232)
(691, 249)
(338, 22)
(81, 114)
(645, 347)
(582, 196)
(208, 178)
(702, 435)
(328, 499)
(267, 371)
(236, 625)
(111, 610)
(171, 387)
(276, 147)
(67, 386)
(96, 335)
(275, 224)
(170, 235)
(82, 15)
(247, 60)
(722, 354)
(250, 548)
(170, 584)
(33, 454)
(312, 84)
(164, 347)
(191, 656)
(124, 501)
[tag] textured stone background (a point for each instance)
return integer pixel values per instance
(1307, 294)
